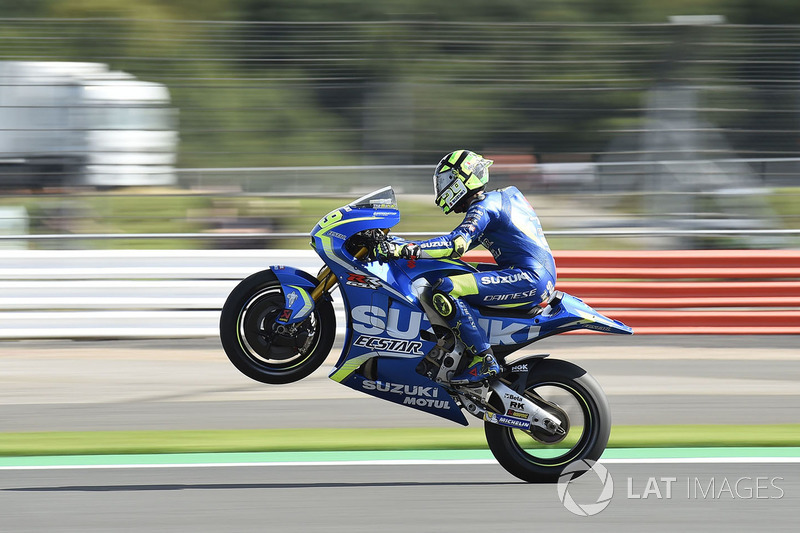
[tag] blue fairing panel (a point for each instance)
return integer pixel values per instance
(413, 391)
(296, 285)
(294, 276)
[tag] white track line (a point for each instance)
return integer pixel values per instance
(407, 462)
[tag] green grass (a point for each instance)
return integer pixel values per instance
(284, 440)
(171, 211)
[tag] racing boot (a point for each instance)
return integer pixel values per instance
(483, 366)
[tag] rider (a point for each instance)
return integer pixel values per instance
(505, 223)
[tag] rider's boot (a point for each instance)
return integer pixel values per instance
(483, 366)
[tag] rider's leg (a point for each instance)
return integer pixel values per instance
(454, 296)
(458, 315)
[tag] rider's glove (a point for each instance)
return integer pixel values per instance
(390, 250)
(410, 251)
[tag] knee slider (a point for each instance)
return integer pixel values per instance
(444, 304)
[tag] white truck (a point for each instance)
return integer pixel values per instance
(82, 124)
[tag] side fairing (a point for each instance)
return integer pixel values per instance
(383, 345)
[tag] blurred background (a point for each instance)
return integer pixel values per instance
(154, 153)
(239, 123)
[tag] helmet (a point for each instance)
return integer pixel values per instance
(459, 175)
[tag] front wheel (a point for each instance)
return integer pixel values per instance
(262, 348)
(537, 457)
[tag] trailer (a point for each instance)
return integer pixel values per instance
(68, 124)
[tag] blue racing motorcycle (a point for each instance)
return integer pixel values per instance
(540, 415)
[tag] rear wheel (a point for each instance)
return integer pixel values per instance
(264, 349)
(573, 396)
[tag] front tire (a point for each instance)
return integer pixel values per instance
(265, 350)
(537, 459)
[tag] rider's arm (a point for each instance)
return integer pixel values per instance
(460, 240)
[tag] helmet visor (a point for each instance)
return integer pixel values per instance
(481, 170)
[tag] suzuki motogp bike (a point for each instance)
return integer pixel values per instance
(540, 415)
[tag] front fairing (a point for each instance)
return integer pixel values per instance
(377, 210)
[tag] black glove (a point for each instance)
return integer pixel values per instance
(410, 251)
(390, 250)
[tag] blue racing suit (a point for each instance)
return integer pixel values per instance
(505, 224)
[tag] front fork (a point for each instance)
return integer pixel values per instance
(327, 279)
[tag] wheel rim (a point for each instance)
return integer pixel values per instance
(270, 345)
(580, 426)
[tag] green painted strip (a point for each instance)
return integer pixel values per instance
(702, 453)
(329, 439)
(364, 456)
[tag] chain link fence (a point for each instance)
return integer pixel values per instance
(673, 127)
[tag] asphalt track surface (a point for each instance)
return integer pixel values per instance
(107, 385)
(189, 384)
(388, 498)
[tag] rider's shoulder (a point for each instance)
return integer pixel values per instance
(509, 191)
(495, 197)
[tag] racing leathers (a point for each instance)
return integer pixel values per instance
(505, 224)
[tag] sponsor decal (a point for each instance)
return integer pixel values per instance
(426, 402)
(489, 245)
(513, 422)
(399, 323)
(363, 281)
(432, 244)
(400, 388)
(513, 397)
(415, 395)
(500, 332)
(513, 296)
(473, 217)
(519, 368)
(290, 298)
(372, 320)
(337, 235)
(389, 345)
(286, 314)
(513, 278)
(597, 327)
(517, 414)
(508, 421)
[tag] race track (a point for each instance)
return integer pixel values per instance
(189, 384)
(459, 498)
(129, 385)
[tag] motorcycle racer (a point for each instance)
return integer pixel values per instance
(505, 224)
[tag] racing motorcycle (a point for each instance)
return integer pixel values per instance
(540, 415)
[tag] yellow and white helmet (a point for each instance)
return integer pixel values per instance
(459, 175)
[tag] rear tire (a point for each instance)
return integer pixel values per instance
(265, 350)
(534, 460)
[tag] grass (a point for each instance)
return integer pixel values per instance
(173, 211)
(316, 439)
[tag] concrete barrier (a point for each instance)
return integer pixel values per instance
(179, 293)
(687, 291)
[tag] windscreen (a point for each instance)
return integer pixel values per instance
(380, 199)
